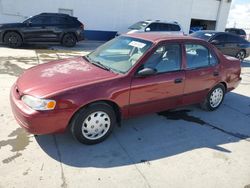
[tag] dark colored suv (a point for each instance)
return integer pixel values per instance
(237, 31)
(228, 43)
(45, 27)
(155, 26)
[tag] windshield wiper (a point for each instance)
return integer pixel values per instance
(99, 64)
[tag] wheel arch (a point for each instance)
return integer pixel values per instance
(115, 106)
(225, 85)
(16, 31)
(68, 32)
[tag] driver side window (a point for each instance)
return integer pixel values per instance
(39, 20)
(166, 58)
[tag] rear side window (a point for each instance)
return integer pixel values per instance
(59, 20)
(231, 38)
(236, 31)
(221, 38)
(198, 56)
(233, 31)
(154, 27)
(242, 32)
(164, 27)
(174, 27)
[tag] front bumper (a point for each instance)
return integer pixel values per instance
(37, 122)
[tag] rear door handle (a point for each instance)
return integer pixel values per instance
(178, 80)
(216, 73)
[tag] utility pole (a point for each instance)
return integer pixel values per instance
(235, 24)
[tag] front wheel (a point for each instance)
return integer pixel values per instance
(241, 55)
(214, 98)
(93, 124)
(13, 39)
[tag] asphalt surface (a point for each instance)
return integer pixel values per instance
(187, 147)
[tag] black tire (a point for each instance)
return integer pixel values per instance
(13, 39)
(241, 55)
(69, 40)
(79, 119)
(208, 104)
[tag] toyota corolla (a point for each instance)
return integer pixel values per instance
(128, 76)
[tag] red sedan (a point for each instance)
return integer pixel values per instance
(127, 76)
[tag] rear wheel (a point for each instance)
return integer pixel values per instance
(93, 124)
(13, 39)
(241, 55)
(69, 40)
(214, 98)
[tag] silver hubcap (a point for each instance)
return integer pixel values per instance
(241, 55)
(96, 125)
(216, 97)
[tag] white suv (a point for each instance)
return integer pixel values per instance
(155, 26)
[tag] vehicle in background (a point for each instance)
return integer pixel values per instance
(195, 29)
(131, 75)
(228, 43)
(45, 27)
(155, 26)
(237, 31)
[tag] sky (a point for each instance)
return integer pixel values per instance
(239, 14)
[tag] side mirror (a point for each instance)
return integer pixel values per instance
(147, 29)
(146, 72)
(29, 23)
(215, 42)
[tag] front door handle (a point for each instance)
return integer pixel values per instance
(178, 80)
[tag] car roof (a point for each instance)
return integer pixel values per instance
(161, 21)
(218, 32)
(234, 29)
(158, 36)
(54, 14)
(212, 31)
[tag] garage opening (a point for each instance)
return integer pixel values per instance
(197, 25)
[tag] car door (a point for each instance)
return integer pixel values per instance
(220, 42)
(39, 29)
(34, 28)
(233, 45)
(162, 90)
(202, 72)
(58, 26)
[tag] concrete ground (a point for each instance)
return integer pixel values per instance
(185, 148)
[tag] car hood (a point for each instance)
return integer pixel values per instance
(11, 25)
(58, 76)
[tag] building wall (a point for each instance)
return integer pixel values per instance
(117, 15)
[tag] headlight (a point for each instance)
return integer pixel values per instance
(38, 104)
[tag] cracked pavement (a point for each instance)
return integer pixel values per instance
(186, 147)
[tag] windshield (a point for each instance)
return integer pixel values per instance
(120, 54)
(27, 19)
(203, 35)
(138, 25)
